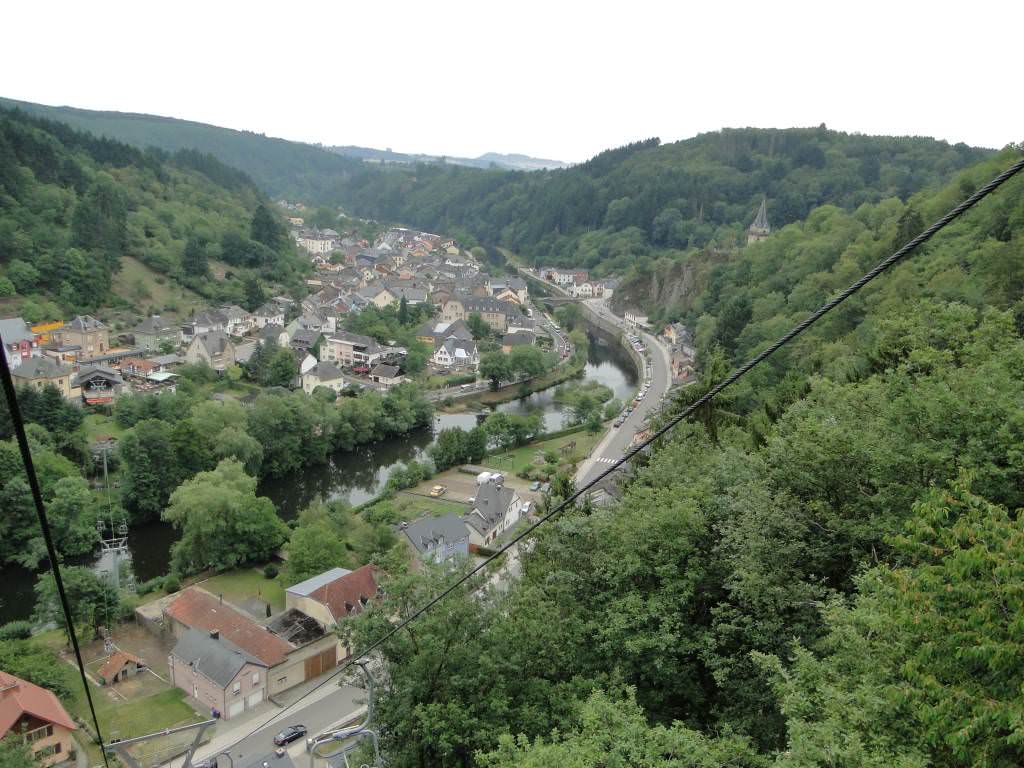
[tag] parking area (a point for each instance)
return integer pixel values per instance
(462, 486)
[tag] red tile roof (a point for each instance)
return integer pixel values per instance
(19, 697)
(342, 596)
(116, 663)
(200, 610)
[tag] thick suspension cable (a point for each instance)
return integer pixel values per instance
(739, 373)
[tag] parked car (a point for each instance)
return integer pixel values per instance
(535, 485)
(619, 421)
(290, 734)
(545, 488)
(438, 490)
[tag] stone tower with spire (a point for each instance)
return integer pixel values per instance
(760, 229)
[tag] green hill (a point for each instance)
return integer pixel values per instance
(635, 203)
(75, 209)
(281, 168)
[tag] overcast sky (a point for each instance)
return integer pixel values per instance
(549, 79)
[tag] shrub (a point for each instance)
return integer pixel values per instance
(172, 583)
(270, 571)
(152, 585)
(16, 630)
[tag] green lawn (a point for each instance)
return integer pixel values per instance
(521, 458)
(409, 502)
(96, 424)
(142, 287)
(123, 719)
(239, 585)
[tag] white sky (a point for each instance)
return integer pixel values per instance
(550, 79)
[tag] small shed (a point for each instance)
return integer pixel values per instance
(120, 665)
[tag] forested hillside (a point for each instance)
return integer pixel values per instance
(634, 203)
(74, 209)
(281, 168)
(824, 569)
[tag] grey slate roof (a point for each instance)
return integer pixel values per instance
(14, 329)
(427, 532)
(310, 585)
(492, 502)
(40, 368)
(325, 372)
(384, 371)
(93, 371)
(214, 341)
(85, 323)
(155, 325)
(454, 344)
(219, 660)
(296, 627)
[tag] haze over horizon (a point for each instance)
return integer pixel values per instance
(549, 82)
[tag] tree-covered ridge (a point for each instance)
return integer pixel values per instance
(72, 205)
(631, 203)
(822, 571)
(281, 168)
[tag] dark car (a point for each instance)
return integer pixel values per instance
(290, 734)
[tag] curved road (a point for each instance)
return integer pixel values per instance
(618, 439)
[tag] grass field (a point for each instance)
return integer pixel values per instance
(96, 424)
(237, 586)
(521, 458)
(139, 285)
(415, 505)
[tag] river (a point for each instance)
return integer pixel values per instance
(356, 476)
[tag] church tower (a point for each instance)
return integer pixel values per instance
(760, 229)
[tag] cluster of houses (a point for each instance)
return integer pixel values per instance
(85, 363)
(495, 509)
(417, 268)
(577, 283)
(229, 661)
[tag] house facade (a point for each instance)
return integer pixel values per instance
(217, 673)
(322, 375)
(35, 716)
(496, 508)
(88, 333)
(19, 342)
(457, 353)
(213, 348)
(304, 655)
(350, 349)
(153, 332)
(40, 372)
(386, 376)
(492, 311)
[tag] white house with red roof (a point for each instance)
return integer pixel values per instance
(35, 716)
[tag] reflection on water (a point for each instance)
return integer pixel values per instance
(356, 477)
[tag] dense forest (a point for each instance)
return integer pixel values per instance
(75, 207)
(822, 570)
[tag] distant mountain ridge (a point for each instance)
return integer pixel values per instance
(506, 162)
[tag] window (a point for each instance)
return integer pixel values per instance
(52, 749)
(255, 678)
(282, 680)
(237, 687)
(38, 733)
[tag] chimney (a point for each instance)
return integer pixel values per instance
(215, 634)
